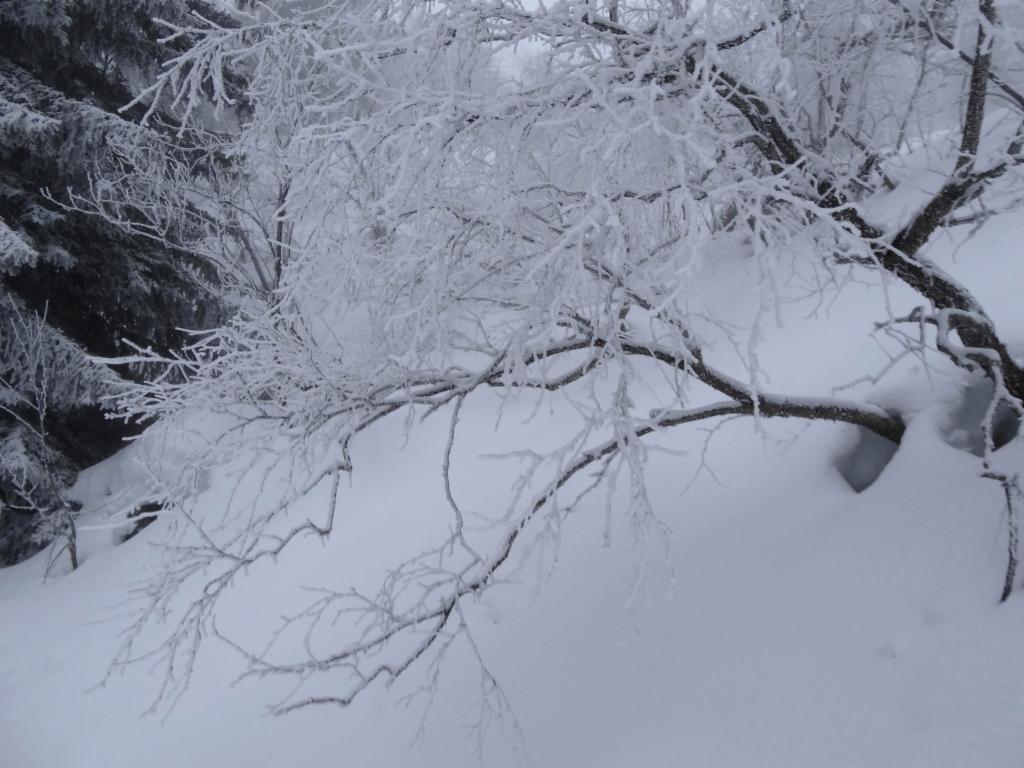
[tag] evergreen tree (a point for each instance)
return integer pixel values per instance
(74, 285)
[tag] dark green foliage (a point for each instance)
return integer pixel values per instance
(71, 284)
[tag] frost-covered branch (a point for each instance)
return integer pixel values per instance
(424, 226)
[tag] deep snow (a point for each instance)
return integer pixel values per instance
(800, 623)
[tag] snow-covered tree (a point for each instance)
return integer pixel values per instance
(73, 284)
(502, 196)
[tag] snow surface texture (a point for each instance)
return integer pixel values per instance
(802, 623)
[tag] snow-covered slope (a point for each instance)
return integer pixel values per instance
(796, 623)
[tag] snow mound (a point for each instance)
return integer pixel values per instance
(789, 621)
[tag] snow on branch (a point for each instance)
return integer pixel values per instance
(431, 214)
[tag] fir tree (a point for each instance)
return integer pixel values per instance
(74, 286)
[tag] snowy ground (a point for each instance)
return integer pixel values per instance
(804, 625)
